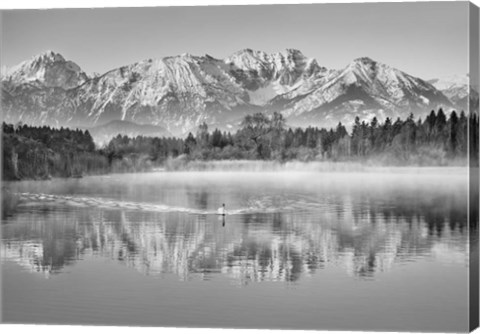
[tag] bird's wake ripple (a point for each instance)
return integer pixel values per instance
(261, 204)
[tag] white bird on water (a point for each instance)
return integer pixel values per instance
(221, 210)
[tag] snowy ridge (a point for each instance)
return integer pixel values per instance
(456, 88)
(181, 92)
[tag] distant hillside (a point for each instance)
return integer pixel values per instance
(102, 134)
(457, 89)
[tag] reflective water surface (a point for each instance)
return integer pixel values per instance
(385, 250)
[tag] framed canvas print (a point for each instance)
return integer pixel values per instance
(300, 166)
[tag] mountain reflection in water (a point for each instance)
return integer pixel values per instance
(364, 232)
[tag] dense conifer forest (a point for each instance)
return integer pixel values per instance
(43, 152)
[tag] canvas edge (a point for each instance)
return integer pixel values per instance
(473, 211)
(473, 198)
(1, 159)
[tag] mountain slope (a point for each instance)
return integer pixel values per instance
(364, 88)
(102, 134)
(456, 88)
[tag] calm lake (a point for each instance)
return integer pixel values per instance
(379, 250)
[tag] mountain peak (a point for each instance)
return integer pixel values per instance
(49, 56)
(247, 53)
(365, 61)
(49, 69)
(246, 50)
(294, 51)
(367, 67)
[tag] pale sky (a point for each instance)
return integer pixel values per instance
(426, 39)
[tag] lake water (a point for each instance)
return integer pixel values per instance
(375, 251)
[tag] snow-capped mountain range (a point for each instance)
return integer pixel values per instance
(179, 93)
(456, 88)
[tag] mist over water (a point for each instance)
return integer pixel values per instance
(305, 244)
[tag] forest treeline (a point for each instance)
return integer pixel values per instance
(42, 152)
